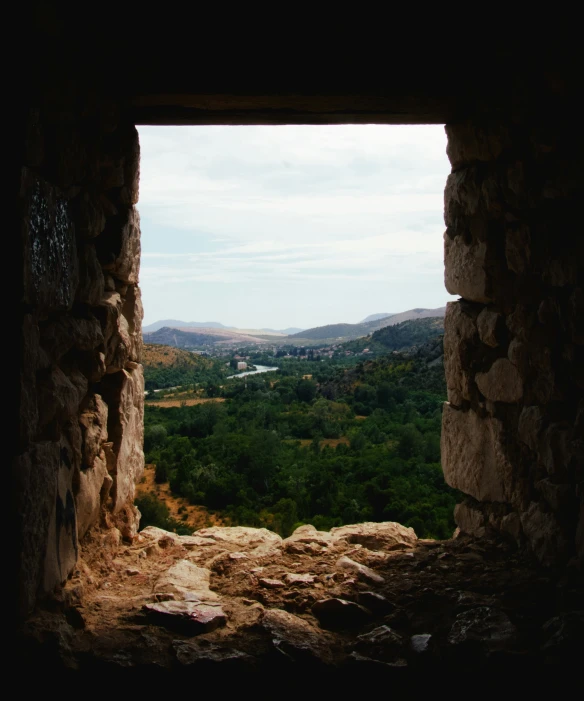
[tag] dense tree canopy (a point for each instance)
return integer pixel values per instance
(349, 444)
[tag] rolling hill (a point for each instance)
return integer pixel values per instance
(189, 340)
(197, 338)
(156, 355)
(347, 332)
(165, 366)
(402, 337)
(177, 324)
(196, 334)
(375, 317)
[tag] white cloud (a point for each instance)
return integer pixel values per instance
(355, 208)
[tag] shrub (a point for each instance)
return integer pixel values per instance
(155, 513)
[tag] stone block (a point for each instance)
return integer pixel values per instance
(91, 281)
(460, 339)
(124, 394)
(93, 422)
(518, 248)
(511, 524)
(62, 541)
(462, 196)
(470, 521)
(518, 354)
(531, 424)
(115, 331)
(118, 247)
(489, 325)
(502, 382)
(468, 142)
(559, 497)
(89, 215)
(542, 384)
(544, 535)
(474, 455)
(58, 399)
(520, 321)
(88, 499)
(464, 270)
(132, 315)
(59, 337)
(131, 191)
(555, 449)
(35, 485)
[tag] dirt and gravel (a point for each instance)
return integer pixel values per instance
(370, 598)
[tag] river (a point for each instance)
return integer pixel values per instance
(257, 371)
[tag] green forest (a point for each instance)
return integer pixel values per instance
(346, 445)
(399, 337)
(165, 366)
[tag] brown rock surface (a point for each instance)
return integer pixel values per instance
(385, 536)
(473, 455)
(465, 273)
(186, 617)
(460, 336)
(185, 581)
(240, 536)
(362, 571)
(124, 394)
(502, 382)
(434, 589)
(489, 325)
(119, 246)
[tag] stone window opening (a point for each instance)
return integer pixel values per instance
(511, 436)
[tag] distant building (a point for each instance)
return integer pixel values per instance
(241, 365)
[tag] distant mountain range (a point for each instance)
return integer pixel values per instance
(347, 332)
(288, 331)
(375, 317)
(195, 334)
(192, 338)
(177, 324)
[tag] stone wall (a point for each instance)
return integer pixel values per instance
(81, 384)
(513, 427)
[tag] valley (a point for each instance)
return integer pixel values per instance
(326, 440)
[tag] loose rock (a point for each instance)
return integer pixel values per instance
(482, 624)
(377, 536)
(186, 617)
(340, 613)
(291, 578)
(363, 572)
(188, 581)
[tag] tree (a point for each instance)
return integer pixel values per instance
(154, 437)
(410, 442)
(306, 390)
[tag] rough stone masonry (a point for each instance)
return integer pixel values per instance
(81, 383)
(513, 426)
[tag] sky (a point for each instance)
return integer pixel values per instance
(291, 226)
